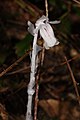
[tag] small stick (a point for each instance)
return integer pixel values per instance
(69, 60)
(46, 6)
(37, 86)
(36, 96)
(78, 2)
(25, 69)
(20, 59)
(73, 79)
(14, 64)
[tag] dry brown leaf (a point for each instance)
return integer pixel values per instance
(51, 107)
(69, 111)
(4, 89)
(65, 110)
(3, 113)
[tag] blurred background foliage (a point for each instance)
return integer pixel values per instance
(15, 41)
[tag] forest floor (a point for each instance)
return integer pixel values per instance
(60, 74)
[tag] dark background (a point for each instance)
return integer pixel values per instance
(57, 96)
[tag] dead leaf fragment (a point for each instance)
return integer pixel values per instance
(3, 113)
(51, 107)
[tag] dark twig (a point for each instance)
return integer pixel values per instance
(14, 64)
(75, 57)
(73, 79)
(25, 69)
(78, 2)
(37, 85)
(36, 96)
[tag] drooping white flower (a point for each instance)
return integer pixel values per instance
(46, 31)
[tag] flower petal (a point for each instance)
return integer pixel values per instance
(47, 34)
(54, 22)
(42, 20)
(46, 46)
(31, 28)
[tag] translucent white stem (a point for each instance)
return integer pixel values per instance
(46, 32)
(31, 85)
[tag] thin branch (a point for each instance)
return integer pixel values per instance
(74, 58)
(42, 59)
(73, 79)
(36, 96)
(14, 64)
(37, 85)
(46, 6)
(78, 2)
(25, 69)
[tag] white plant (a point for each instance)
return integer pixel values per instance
(43, 27)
